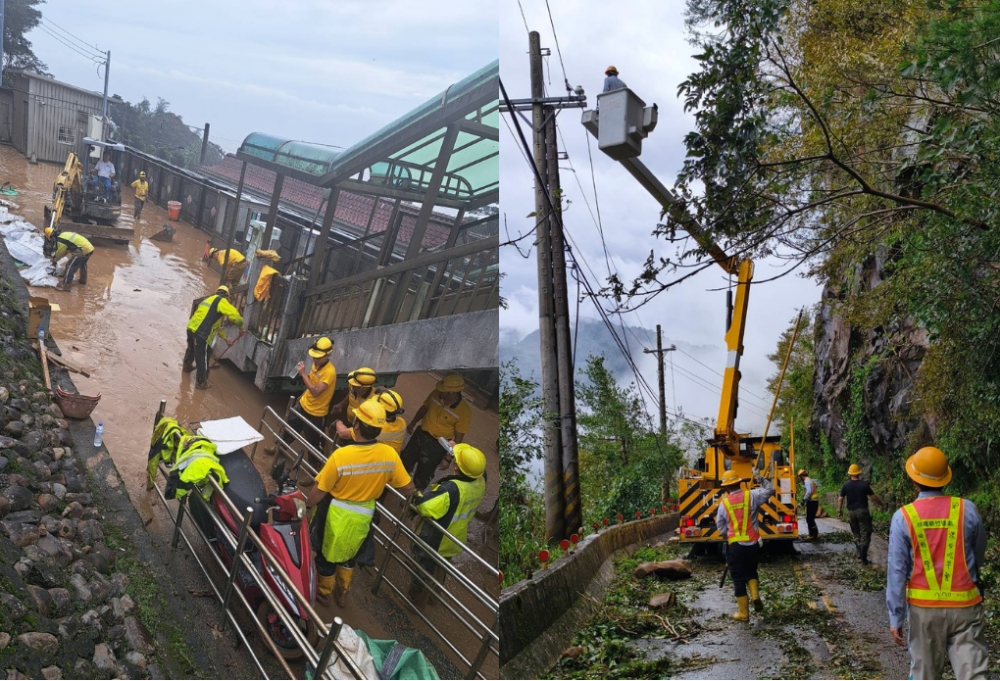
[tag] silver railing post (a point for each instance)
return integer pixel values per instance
(177, 525)
(483, 652)
(328, 647)
(244, 529)
(392, 543)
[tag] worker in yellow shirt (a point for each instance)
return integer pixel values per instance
(202, 329)
(237, 261)
(351, 480)
(77, 246)
(395, 425)
(141, 189)
(443, 414)
(360, 387)
(313, 405)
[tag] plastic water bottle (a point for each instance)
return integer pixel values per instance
(41, 335)
(99, 435)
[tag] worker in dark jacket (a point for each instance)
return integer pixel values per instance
(452, 502)
(202, 329)
(79, 249)
(857, 491)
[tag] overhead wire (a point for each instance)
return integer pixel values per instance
(555, 37)
(77, 39)
(523, 18)
(91, 57)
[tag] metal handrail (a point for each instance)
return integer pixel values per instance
(487, 633)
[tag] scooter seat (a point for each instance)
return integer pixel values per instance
(245, 485)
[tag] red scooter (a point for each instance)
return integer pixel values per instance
(281, 521)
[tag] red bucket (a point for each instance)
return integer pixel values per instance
(174, 210)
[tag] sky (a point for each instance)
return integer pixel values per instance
(326, 71)
(646, 40)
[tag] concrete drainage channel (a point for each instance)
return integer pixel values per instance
(183, 646)
(538, 617)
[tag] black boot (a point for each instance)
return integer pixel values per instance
(864, 556)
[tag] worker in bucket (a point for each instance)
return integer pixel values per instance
(452, 502)
(444, 414)
(141, 189)
(79, 249)
(857, 491)
(202, 329)
(310, 411)
(937, 545)
(737, 522)
(237, 262)
(612, 81)
(353, 477)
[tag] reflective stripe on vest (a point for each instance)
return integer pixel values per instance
(347, 524)
(470, 495)
(739, 517)
(367, 468)
(944, 517)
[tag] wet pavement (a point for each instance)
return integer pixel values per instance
(126, 327)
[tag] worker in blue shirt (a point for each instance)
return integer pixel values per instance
(936, 587)
(612, 81)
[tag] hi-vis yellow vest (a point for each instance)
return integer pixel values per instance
(741, 529)
(453, 515)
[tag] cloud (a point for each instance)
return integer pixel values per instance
(648, 45)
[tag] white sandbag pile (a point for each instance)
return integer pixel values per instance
(25, 242)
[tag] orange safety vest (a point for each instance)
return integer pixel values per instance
(940, 576)
(738, 513)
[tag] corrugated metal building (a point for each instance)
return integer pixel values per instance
(51, 118)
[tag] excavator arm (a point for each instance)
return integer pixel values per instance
(68, 183)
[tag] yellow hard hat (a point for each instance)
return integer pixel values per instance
(142, 174)
(470, 460)
(321, 348)
(452, 383)
(802, 471)
(48, 232)
(610, 70)
(361, 378)
(730, 478)
(223, 289)
(391, 401)
(929, 466)
(855, 469)
(372, 413)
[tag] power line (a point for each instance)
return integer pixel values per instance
(81, 42)
(91, 57)
(556, 38)
(523, 18)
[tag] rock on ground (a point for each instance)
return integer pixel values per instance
(665, 569)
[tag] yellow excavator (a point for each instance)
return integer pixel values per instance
(620, 123)
(81, 203)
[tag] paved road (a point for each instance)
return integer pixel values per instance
(825, 618)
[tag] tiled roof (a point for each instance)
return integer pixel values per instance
(352, 208)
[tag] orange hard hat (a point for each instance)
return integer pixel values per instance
(929, 466)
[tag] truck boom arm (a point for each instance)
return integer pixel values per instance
(726, 437)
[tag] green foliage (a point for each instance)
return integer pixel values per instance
(625, 465)
(162, 133)
(20, 17)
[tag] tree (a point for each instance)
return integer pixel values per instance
(20, 16)
(158, 131)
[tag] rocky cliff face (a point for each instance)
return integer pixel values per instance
(865, 379)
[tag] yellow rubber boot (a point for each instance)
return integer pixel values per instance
(742, 613)
(343, 575)
(324, 587)
(753, 586)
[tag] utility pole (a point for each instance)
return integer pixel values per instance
(2, 10)
(204, 146)
(572, 511)
(660, 351)
(555, 523)
(104, 105)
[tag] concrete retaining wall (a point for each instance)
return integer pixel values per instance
(538, 617)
